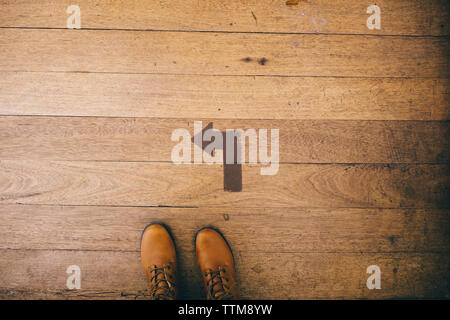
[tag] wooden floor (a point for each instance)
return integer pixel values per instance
(86, 118)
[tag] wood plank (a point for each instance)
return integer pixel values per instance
(286, 230)
(222, 54)
(223, 97)
(156, 184)
(405, 17)
(146, 139)
(42, 274)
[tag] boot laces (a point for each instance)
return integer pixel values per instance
(217, 289)
(161, 283)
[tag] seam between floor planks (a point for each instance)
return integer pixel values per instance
(249, 75)
(12, 115)
(228, 207)
(237, 32)
(262, 251)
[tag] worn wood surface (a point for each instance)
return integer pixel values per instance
(399, 17)
(223, 97)
(86, 118)
(131, 139)
(222, 54)
(156, 184)
(118, 275)
(348, 230)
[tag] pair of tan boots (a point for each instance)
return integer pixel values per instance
(214, 258)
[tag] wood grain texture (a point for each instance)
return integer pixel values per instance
(223, 97)
(285, 230)
(222, 54)
(403, 17)
(145, 139)
(86, 117)
(155, 184)
(118, 275)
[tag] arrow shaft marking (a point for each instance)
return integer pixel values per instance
(232, 173)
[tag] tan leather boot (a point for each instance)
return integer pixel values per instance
(216, 263)
(158, 258)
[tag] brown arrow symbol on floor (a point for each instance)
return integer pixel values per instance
(232, 173)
